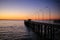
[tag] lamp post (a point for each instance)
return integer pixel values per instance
(49, 9)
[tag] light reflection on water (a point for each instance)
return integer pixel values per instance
(15, 26)
(12, 30)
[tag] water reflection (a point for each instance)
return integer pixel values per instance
(12, 25)
(13, 30)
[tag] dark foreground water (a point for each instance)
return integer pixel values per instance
(16, 30)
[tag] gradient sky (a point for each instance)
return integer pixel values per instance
(33, 9)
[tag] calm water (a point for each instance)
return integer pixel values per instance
(14, 26)
(13, 30)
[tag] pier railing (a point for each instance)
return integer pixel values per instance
(45, 30)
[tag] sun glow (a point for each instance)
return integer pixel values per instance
(28, 10)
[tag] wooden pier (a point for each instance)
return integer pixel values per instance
(46, 31)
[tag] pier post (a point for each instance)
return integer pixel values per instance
(41, 31)
(45, 31)
(48, 33)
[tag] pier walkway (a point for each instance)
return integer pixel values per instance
(46, 31)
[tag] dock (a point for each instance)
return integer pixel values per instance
(46, 31)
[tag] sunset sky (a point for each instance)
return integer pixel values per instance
(29, 9)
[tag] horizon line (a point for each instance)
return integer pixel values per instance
(31, 19)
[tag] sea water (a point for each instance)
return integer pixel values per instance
(13, 30)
